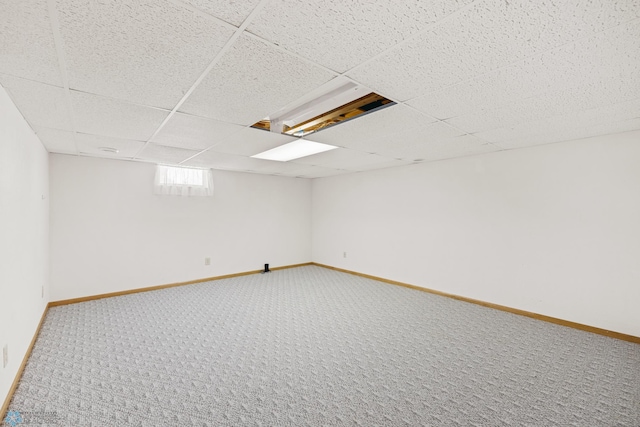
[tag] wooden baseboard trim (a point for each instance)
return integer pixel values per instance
(16, 380)
(170, 285)
(580, 326)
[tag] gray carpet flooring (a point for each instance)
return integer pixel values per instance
(311, 346)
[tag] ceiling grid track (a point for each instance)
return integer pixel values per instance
(199, 80)
(62, 63)
(180, 82)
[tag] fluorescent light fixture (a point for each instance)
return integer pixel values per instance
(294, 150)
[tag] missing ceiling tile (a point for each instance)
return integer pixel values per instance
(345, 112)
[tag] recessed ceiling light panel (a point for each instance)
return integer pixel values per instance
(294, 150)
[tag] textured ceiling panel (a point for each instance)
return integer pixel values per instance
(212, 159)
(27, 47)
(163, 154)
(415, 68)
(614, 118)
(403, 137)
(310, 171)
(232, 11)
(495, 88)
(481, 38)
(250, 141)
(442, 148)
(390, 163)
(583, 18)
(251, 81)
(476, 76)
(359, 131)
(361, 29)
(563, 102)
(286, 168)
(56, 140)
(418, 143)
(343, 158)
(147, 52)
(558, 132)
(94, 145)
(602, 64)
(611, 54)
(186, 131)
(110, 117)
(494, 33)
(41, 104)
(335, 159)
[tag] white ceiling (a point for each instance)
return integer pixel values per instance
(180, 82)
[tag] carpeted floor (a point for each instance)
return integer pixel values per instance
(311, 346)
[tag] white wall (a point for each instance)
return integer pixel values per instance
(109, 232)
(552, 229)
(24, 237)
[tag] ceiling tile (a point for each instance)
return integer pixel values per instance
(146, 52)
(56, 140)
(476, 75)
(555, 134)
(186, 131)
(110, 117)
(414, 68)
(359, 131)
(163, 154)
(41, 104)
(420, 143)
(284, 168)
(481, 38)
(562, 102)
(360, 29)
(447, 148)
(612, 118)
(343, 158)
(609, 54)
(233, 12)
(601, 64)
(499, 87)
(334, 159)
(465, 145)
(251, 81)
(408, 137)
(310, 171)
(251, 141)
(224, 161)
(92, 144)
(581, 18)
(28, 48)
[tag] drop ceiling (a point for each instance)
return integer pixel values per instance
(181, 82)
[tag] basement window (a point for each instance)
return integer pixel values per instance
(179, 181)
(338, 103)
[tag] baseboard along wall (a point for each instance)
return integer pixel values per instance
(587, 328)
(568, 323)
(16, 380)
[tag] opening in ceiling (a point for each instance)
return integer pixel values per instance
(336, 105)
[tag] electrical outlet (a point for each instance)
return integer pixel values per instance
(207, 261)
(5, 355)
(42, 291)
(344, 254)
